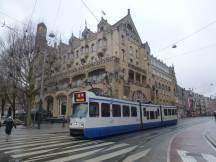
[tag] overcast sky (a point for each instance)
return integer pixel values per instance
(160, 22)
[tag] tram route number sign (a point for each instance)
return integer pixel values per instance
(80, 97)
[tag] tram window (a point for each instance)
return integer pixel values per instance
(94, 109)
(147, 115)
(165, 112)
(158, 112)
(126, 110)
(172, 111)
(116, 110)
(175, 112)
(105, 110)
(144, 111)
(156, 115)
(152, 115)
(133, 111)
(169, 112)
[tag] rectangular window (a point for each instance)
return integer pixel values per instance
(165, 112)
(152, 115)
(172, 111)
(158, 112)
(133, 111)
(175, 112)
(147, 114)
(116, 110)
(156, 115)
(169, 112)
(105, 110)
(126, 110)
(93, 109)
(144, 111)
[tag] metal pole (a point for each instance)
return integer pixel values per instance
(42, 76)
(41, 90)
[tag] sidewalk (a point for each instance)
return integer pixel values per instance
(45, 128)
(211, 134)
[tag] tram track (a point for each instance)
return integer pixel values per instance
(153, 135)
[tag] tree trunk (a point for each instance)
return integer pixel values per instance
(2, 107)
(14, 105)
(29, 108)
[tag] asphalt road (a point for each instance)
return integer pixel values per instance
(184, 142)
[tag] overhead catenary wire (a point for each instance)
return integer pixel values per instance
(57, 13)
(187, 36)
(12, 18)
(15, 19)
(94, 16)
(32, 13)
(192, 51)
(86, 6)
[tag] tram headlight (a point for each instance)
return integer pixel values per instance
(82, 124)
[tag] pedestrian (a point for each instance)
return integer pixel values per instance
(215, 115)
(9, 124)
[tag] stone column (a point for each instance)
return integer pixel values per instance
(44, 104)
(55, 106)
(69, 105)
(134, 76)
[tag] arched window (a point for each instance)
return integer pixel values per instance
(92, 48)
(86, 48)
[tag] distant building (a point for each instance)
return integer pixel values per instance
(190, 103)
(112, 61)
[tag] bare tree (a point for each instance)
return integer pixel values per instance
(20, 60)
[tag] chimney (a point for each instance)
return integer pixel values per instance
(128, 11)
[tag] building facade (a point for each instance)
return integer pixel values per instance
(190, 103)
(163, 82)
(112, 62)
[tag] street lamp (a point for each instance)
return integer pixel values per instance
(44, 52)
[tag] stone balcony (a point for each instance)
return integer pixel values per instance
(82, 69)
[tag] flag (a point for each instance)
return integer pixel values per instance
(103, 12)
(85, 23)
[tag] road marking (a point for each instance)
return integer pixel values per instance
(13, 138)
(31, 142)
(185, 157)
(41, 147)
(111, 155)
(117, 146)
(22, 136)
(31, 153)
(70, 151)
(136, 156)
(209, 158)
(73, 157)
(208, 141)
(30, 145)
(83, 144)
(42, 156)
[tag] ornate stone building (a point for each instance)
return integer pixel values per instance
(112, 61)
(163, 82)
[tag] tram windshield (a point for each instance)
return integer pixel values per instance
(79, 110)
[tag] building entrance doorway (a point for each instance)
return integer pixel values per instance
(62, 105)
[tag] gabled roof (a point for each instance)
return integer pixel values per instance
(127, 20)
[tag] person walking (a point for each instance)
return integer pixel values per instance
(9, 124)
(215, 115)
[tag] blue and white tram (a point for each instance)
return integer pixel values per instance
(97, 116)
